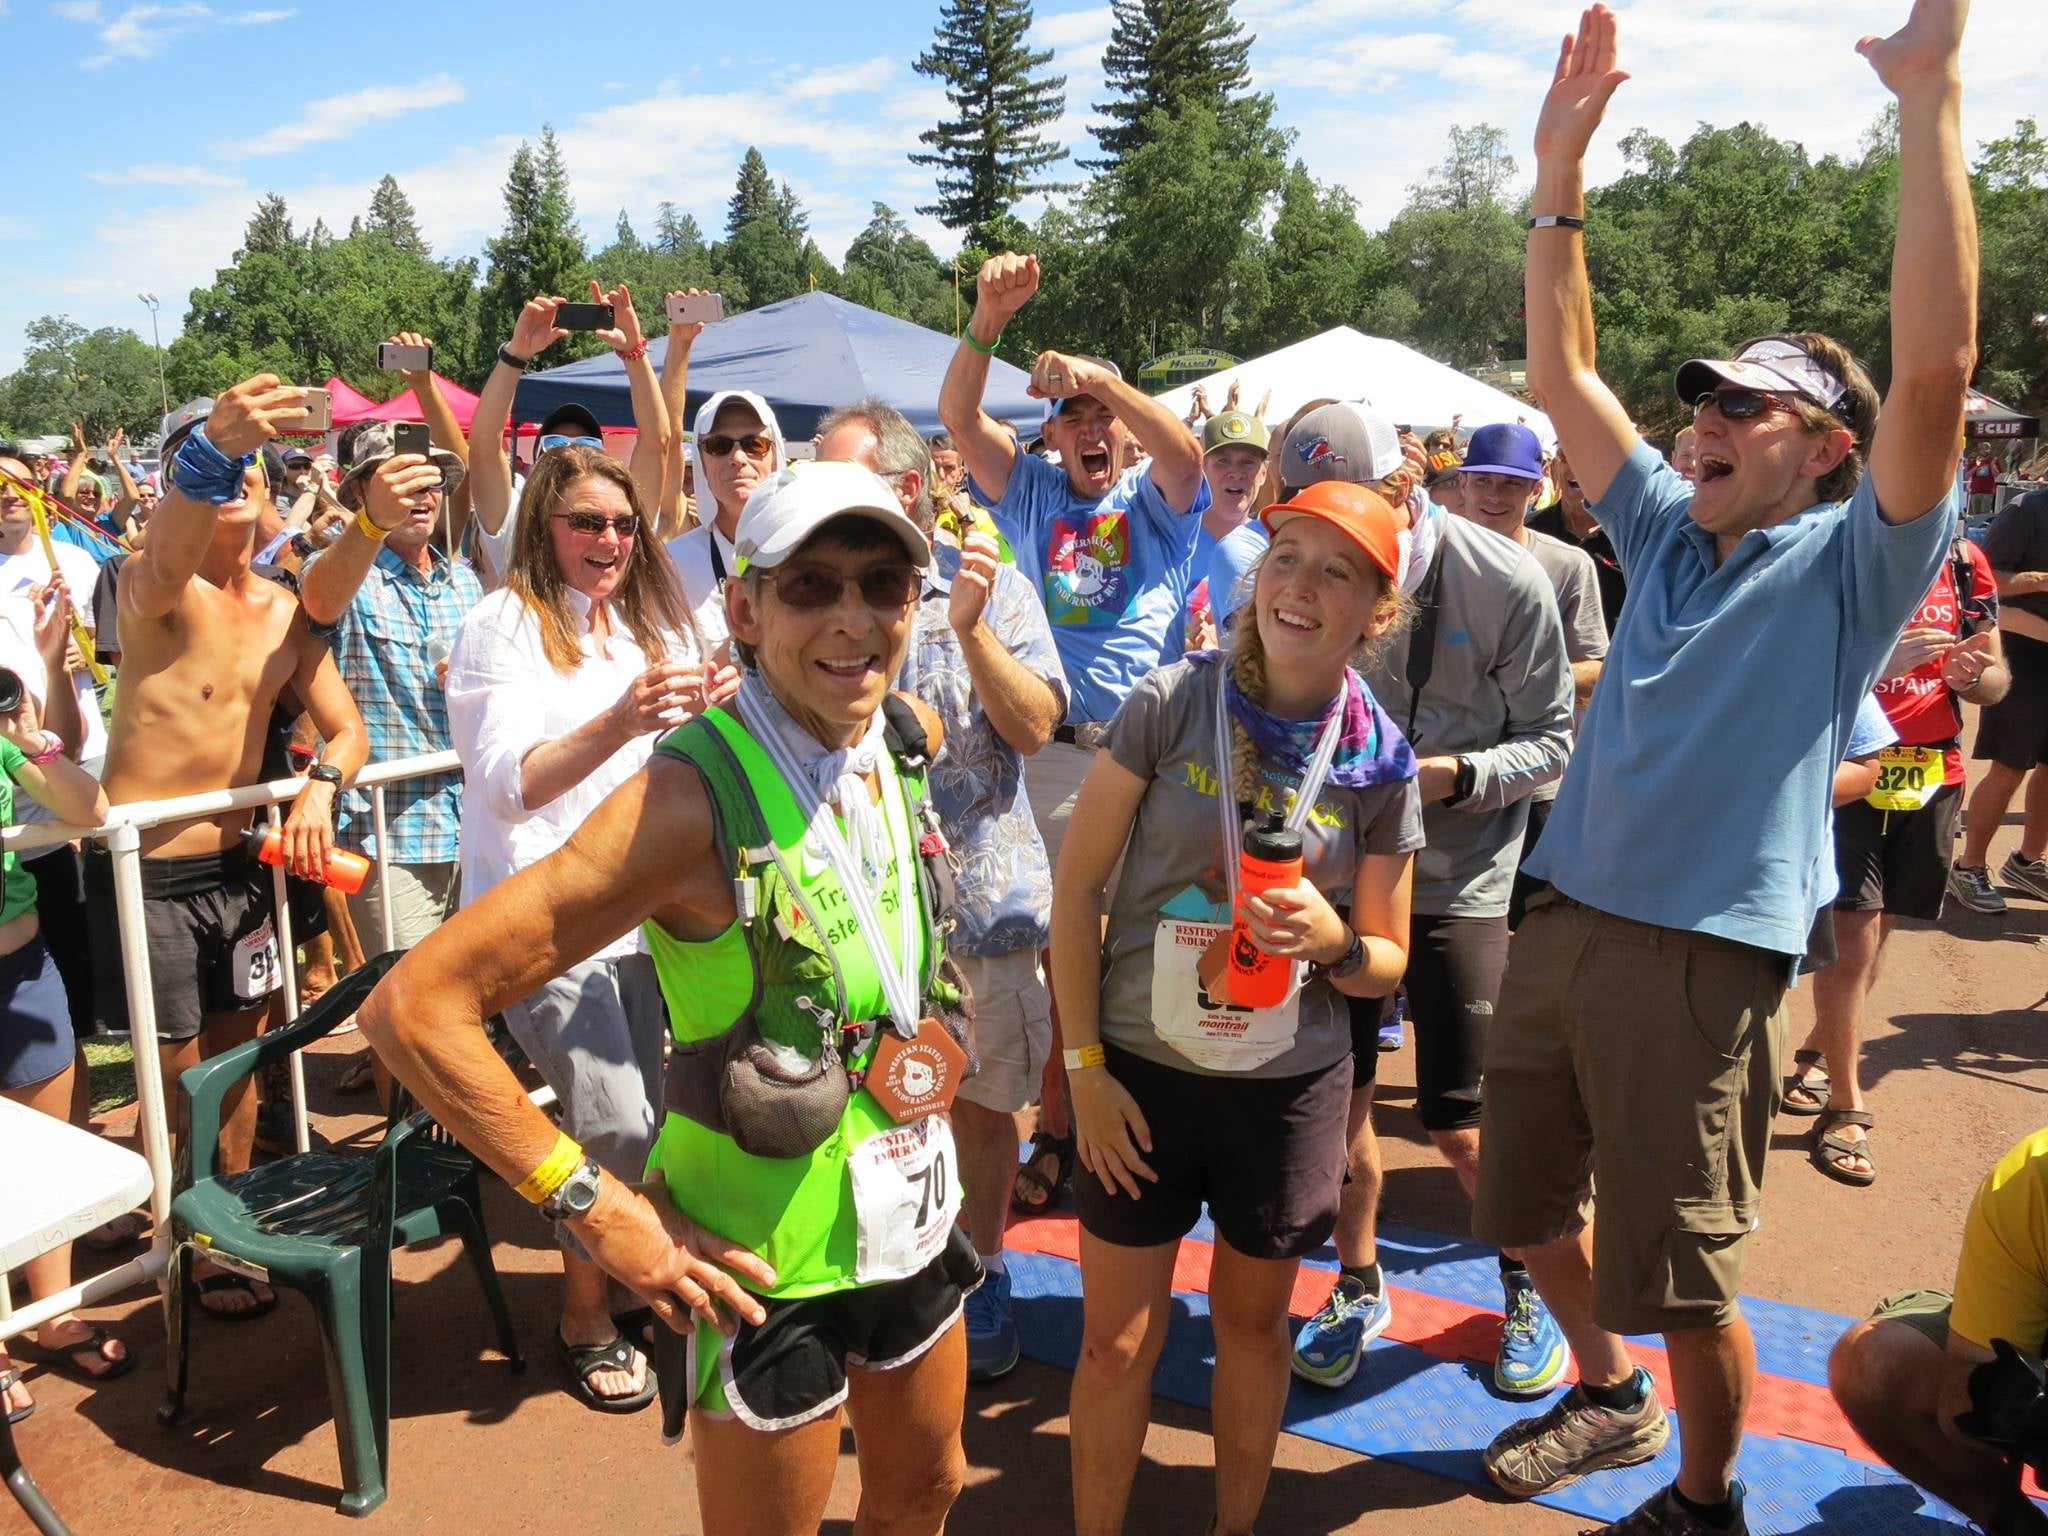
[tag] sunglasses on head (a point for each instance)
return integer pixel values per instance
(595, 523)
(554, 440)
(1744, 404)
(756, 446)
(819, 586)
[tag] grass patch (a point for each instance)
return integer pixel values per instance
(109, 1074)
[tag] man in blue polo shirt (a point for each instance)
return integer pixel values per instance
(1641, 1025)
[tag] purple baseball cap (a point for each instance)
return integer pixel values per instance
(1504, 448)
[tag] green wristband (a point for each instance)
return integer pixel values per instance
(968, 336)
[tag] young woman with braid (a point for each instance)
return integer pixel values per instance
(1179, 1098)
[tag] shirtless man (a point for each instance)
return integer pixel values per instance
(207, 648)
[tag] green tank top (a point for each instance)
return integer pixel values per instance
(797, 1213)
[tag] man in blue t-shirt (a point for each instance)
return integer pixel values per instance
(1640, 1030)
(1110, 550)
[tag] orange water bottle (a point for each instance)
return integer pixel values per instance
(345, 871)
(1271, 861)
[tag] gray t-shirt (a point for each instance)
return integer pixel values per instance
(1165, 733)
(1577, 585)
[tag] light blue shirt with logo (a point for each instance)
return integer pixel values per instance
(1114, 574)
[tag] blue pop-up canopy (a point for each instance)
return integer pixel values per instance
(804, 356)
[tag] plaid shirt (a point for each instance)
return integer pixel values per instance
(383, 646)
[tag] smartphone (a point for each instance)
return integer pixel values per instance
(396, 357)
(584, 317)
(689, 308)
(410, 437)
(318, 416)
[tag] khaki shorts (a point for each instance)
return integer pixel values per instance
(1647, 1060)
(1012, 1029)
(423, 897)
(1052, 782)
(1925, 1312)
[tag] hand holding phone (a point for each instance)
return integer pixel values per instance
(398, 357)
(695, 308)
(317, 415)
(410, 437)
(585, 317)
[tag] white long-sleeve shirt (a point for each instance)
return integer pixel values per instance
(504, 699)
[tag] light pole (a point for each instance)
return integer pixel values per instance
(163, 393)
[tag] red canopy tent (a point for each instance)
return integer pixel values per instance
(405, 406)
(350, 404)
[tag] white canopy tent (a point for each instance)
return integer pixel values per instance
(1344, 364)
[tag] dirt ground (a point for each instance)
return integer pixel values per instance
(1955, 1065)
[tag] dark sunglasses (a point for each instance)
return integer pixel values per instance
(594, 523)
(1743, 404)
(758, 446)
(819, 586)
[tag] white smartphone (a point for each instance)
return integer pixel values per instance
(689, 308)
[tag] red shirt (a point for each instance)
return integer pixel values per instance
(1919, 704)
(1983, 479)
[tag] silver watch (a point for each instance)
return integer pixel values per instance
(575, 1195)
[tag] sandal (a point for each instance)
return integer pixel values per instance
(228, 1281)
(1029, 1177)
(122, 1231)
(1814, 1085)
(361, 1075)
(10, 1379)
(63, 1358)
(637, 1324)
(1830, 1146)
(586, 1360)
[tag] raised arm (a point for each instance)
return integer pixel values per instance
(1002, 636)
(675, 394)
(1934, 265)
(243, 420)
(129, 497)
(1592, 426)
(650, 414)
(330, 580)
(74, 468)
(1175, 451)
(490, 472)
(1005, 284)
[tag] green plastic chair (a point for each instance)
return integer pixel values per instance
(324, 1224)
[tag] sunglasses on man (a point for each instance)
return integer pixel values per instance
(1744, 404)
(756, 446)
(884, 588)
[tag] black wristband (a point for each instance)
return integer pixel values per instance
(1557, 221)
(512, 359)
(325, 773)
(1463, 785)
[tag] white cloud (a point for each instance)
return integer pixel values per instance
(141, 31)
(340, 117)
(77, 10)
(164, 176)
(1074, 29)
(863, 78)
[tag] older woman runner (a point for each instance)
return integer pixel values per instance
(782, 859)
(1182, 1098)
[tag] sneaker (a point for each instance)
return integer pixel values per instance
(2029, 875)
(1663, 1515)
(1390, 1027)
(1533, 1354)
(992, 1346)
(1973, 888)
(1330, 1344)
(1575, 1437)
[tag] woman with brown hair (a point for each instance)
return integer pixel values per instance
(590, 610)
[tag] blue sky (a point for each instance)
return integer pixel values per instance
(143, 134)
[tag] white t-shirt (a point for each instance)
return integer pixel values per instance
(20, 574)
(693, 551)
(504, 699)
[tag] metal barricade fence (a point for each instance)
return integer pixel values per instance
(122, 832)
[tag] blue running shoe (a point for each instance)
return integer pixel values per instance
(1330, 1344)
(992, 1346)
(1533, 1354)
(1390, 1026)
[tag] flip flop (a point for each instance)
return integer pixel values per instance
(586, 1360)
(63, 1357)
(229, 1281)
(1815, 1084)
(636, 1324)
(1828, 1145)
(12, 1378)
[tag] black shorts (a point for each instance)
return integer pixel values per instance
(1266, 1154)
(1454, 969)
(1896, 862)
(791, 1368)
(2014, 732)
(212, 937)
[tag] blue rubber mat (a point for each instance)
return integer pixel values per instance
(1416, 1408)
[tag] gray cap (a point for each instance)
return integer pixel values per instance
(181, 421)
(1346, 440)
(374, 445)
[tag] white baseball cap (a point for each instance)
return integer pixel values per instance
(707, 413)
(1775, 364)
(798, 500)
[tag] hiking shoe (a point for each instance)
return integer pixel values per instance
(1973, 888)
(1533, 1355)
(992, 1346)
(1575, 1437)
(1330, 1344)
(1663, 1515)
(2029, 875)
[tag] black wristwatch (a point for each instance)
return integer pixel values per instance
(512, 359)
(575, 1195)
(326, 773)
(1348, 962)
(1462, 785)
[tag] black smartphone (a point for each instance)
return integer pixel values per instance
(585, 317)
(396, 357)
(410, 437)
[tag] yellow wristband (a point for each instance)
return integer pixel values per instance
(1082, 1057)
(369, 529)
(553, 1172)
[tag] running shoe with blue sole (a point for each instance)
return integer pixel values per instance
(1330, 1344)
(992, 1340)
(1533, 1354)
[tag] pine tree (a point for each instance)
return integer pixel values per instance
(789, 213)
(540, 250)
(753, 198)
(623, 238)
(987, 152)
(392, 216)
(270, 228)
(1167, 54)
(675, 232)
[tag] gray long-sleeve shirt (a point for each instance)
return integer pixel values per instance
(1500, 694)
